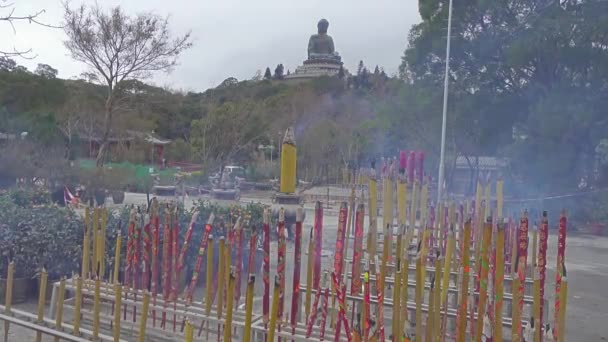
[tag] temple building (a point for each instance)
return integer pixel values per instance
(323, 59)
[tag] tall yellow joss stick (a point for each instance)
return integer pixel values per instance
(387, 213)
(515, 313)
(102, 243)
(189, 336)
(274, 310)
(405, 271)
(464, 285)
(117, 258)
(86, 244)
(220, 282)
(428, 335)
(419, 297)
(8, 298)
(96, 308)
(424, 195)
(483, 294)
(499, 277)
(488, 197)
(499, 197)
(536, 305)
(117, 308)
(563, 296)
(229, 306)
(41, 300)
(385, 251)
(59, 309)
(143, 320)
(78, 305)
(445, 283)
(533, 261)
(95, 238)
(413, 206)
(397, 329)
(288, 163)
(436, 332)
(249, 307)
(372, 235)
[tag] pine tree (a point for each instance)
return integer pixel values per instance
(267, 74)
(279, 72)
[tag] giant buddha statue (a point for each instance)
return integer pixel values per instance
(321, 46)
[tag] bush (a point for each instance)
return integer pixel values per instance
(39, 235)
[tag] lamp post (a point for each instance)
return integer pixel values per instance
(445, 108)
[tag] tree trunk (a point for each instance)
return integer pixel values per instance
(103, 145)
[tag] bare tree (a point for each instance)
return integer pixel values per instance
(117, 48)
(8, 15)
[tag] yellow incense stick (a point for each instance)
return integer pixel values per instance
(488, 198)
(387, 213)
(536, 305)
(102, 243)
(117, 308)
(419, 295)
(189, 336)
(86, 244)
(8, 298)
(78, 305)
(483, 281)
(436, 331)
(464, 285)
(96, 308)
(95, 238)
(402, 202)
(249, 308)
(498, 281)
(499, 197)
(397, 330)
(515, 313)
(41, 300)
(117, 258)
(404, 286)
(229, 306)
(143, 320)
(209, 282)
(373, 213)
(221, 277)
(533, 261)
(563, 296)
(274, 310)
(59, 308)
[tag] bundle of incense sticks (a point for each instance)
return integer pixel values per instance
(561, 251)
(542, 262)
(199, 258)
(295, 295)
(522, 264)
(155, 268)
(281, 264)
(146, 254)
(266, 270)
(318, 236)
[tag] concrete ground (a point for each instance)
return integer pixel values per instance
(586, 261)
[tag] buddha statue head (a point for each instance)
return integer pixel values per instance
(322, 26)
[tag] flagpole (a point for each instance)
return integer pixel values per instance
(445, 108)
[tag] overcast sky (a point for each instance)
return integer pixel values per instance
(238, 37)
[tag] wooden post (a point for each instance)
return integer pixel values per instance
(78, 305)
(143, 320)
(117, 258)
(249, 308)
(8, 298)
(499, 280)
(229, 306)
(483, 280)
(275, 309)
(59, 312)
(117, 308)
(96, 308)
(41, 300)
